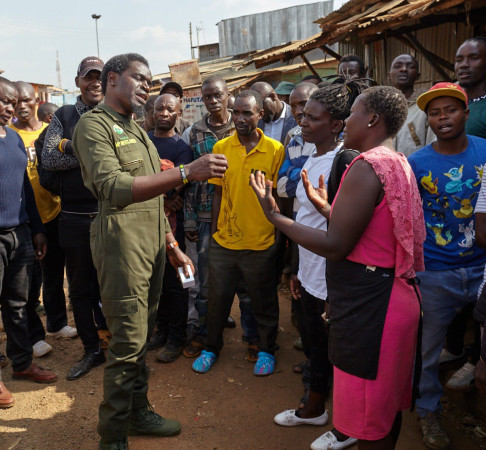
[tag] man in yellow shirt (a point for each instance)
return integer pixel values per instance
(243, 240)
(29, 128)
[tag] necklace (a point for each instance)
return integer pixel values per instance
(477, 99)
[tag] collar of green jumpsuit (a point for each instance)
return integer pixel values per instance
(125, 120)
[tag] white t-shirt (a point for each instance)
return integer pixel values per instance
(312, 267)
(274, 129)
(481, 208)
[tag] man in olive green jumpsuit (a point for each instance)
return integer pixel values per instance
(120, 166)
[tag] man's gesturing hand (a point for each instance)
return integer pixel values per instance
(208, 166)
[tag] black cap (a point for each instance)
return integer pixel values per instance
(90, 63)
(174, 85)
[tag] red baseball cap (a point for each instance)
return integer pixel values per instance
(444, 89)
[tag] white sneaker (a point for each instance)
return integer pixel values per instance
(66, 332)
(329, 442)
(289, 419)
(447, 357)
(463, 379)
(41, 348)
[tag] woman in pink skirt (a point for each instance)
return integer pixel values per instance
(373, 247)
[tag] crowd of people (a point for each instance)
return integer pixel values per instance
(368, 200)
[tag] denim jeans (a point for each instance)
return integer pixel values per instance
(192, 314)
(16, 262)
(444, 294)
(248, 322)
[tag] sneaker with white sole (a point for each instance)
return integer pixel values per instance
(463, 379)
(288, 418)
(66, 332)
(41, 348)
(446, 357)
(330, 442)
(434, 436)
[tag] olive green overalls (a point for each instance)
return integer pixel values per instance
(128, 248)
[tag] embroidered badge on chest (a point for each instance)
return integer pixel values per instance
(120, 132)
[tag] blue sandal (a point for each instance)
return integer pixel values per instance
(265, 364)
(204, 362)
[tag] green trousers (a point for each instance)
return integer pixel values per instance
(130, 268)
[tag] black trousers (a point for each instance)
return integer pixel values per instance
(84, 291)
(53, 279)
(258, 270)
(36, 328)
(16, 261)
(316, 336)
(173, 305)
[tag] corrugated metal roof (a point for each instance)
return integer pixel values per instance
(370, 16)
(236, 79)
(282, 52)
(268, 29)
(366, 19)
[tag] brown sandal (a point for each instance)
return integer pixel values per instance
(252, 353)
(194, 348)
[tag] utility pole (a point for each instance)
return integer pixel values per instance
(96, 17)
(190, 39)
(58, 70)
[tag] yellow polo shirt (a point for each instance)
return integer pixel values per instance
(48, 205)
(241, 222)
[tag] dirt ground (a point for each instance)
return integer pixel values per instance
(228, 408)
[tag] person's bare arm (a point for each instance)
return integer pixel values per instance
(352, 212)
(215, 208)
(480, 228)
(177, 257)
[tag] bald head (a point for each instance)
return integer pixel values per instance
(46, 111)
(262, 88)
(9, 95)
(7, 84)
(305, 87)
(23, 86)
(168, 98)
(272, 106)
(26, 105)
(167, 109)
(298, 98)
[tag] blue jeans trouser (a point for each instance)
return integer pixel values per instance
(248, 322)
(444, 294)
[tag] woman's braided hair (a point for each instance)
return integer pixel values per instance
(338, 96)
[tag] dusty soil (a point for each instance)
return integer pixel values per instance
(228, 408)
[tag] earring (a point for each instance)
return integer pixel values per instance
(369, 125)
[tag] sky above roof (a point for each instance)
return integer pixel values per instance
(33, 31)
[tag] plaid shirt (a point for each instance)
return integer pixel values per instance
(199, 195)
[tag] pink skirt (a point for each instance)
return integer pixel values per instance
(366, 409)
